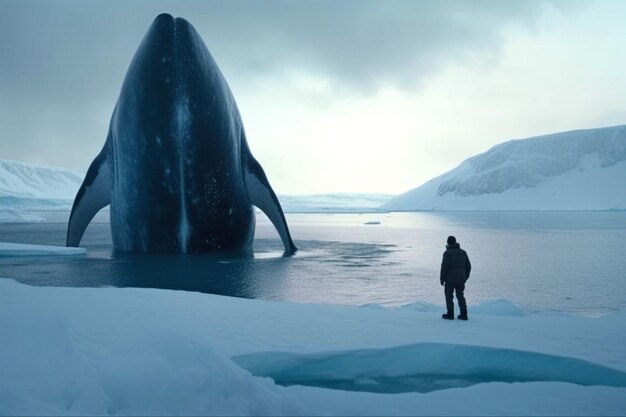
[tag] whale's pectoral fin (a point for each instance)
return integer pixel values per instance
(261, 195)
(94, 194)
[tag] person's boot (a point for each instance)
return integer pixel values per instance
(448, 316)
(463, 315)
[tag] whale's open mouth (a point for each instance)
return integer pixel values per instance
(424, 367)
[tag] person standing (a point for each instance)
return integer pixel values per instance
(455, 271)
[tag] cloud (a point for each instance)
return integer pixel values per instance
(366, 44)
(63, 61)
(49, 45)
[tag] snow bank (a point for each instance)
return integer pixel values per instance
(12, 216)
(22, 249)
(493, 399)
(159, 374)
(491, 308)
(499, 308)
(111, 351)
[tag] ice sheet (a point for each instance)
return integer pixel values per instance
(110, 351)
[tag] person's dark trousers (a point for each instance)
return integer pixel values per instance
(449, 289)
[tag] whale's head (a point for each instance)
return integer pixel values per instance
(173, 66)
(169, 46)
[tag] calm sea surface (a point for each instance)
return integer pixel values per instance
(562, 261)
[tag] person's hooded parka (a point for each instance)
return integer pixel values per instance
(455, 266)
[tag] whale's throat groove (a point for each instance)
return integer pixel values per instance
(181, 133)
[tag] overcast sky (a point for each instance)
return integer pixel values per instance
(355, 96)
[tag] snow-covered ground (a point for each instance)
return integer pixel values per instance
(578, 170)
(114, 351)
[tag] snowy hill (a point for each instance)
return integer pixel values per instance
(577, 170)
(27, 186)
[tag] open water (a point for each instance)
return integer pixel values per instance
(544, 261)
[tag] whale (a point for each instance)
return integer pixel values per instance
(176, 168)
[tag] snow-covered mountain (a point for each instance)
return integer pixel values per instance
(577, 170)
(27, 186)
(22, 180)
